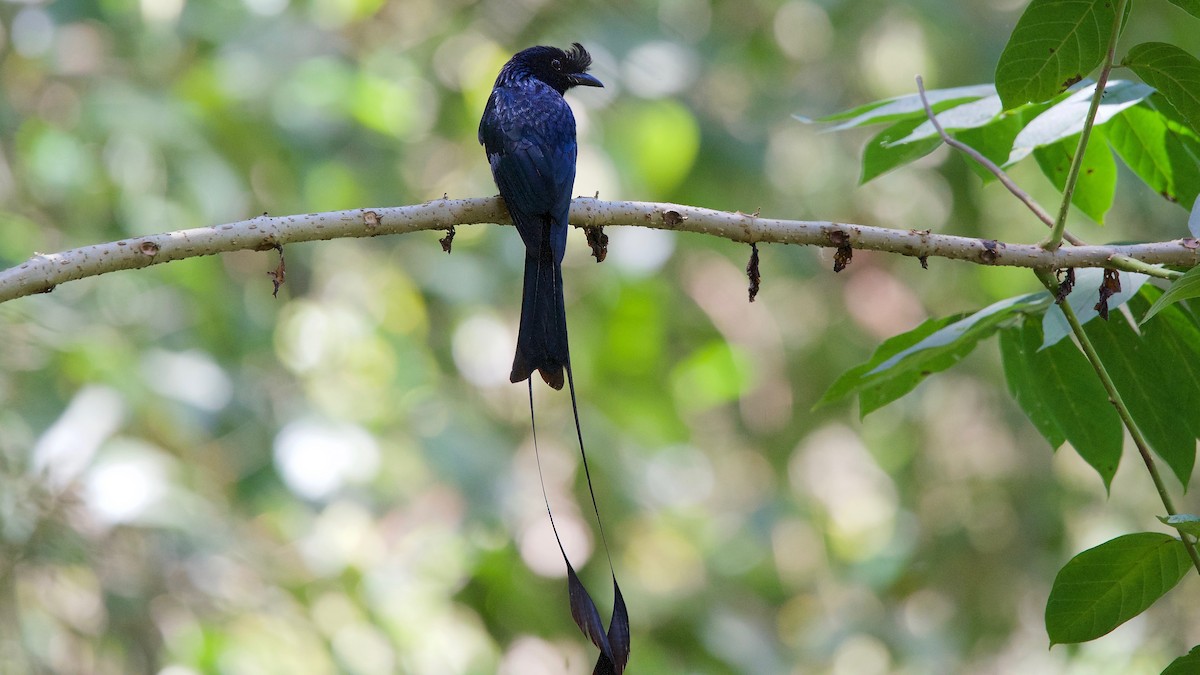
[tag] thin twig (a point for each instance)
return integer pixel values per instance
(1060, 223)
(1128, 264)
(1041, 213)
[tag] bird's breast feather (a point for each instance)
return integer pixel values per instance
(530, 141)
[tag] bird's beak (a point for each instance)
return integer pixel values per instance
(584, 80)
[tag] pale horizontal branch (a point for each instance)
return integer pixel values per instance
(43, 272)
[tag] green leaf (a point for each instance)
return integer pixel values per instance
(1105, 586)
(1188, 664)
(889, 389)
(1065, 119)
(1083, 301)
(1055, 44)
(1184, 522)
(1160, 402)
(855, 380)
(1059, 392)
(1097, 182)
(843, 114)
(1174, 339)
(1173, 72)
(1183, 288)
(995, 140)
(907, 106)
(1190, 6)
(982, 119)
(880, 156)
(1159, 148)
(972, 329)
(1019, 377)
(1176, 322)
(971, 115)
(904, 361)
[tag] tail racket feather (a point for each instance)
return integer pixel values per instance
(613, 643)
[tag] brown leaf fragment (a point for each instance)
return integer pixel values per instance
(597, 240)
(371, 220)
(752, 272)
(1110, 286)
(277, 275)
(838, 238)
(1112, 279)
(671, 218)
(924, 261)
(841, 259)
(1066, 283)
(447, 241)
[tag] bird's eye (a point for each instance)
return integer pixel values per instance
(556, 64)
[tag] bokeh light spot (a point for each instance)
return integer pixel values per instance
(316, 459)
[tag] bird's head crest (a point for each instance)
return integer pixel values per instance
(577, 59)
(561, 69)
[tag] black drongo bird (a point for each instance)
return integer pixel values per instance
(528, 132)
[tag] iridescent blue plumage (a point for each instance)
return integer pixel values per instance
(528, 132)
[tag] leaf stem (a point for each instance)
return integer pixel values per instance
(1114, 397)
(986, 163)
(1128, 264)
(1060, 223)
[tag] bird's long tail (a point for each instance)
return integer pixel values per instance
(542, 338)
(613, 643)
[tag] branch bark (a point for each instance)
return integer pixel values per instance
(42, 272)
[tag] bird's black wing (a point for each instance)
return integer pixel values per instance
(528, 133)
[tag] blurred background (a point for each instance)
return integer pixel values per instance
(196, 477)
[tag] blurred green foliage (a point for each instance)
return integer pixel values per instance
(195, 477)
